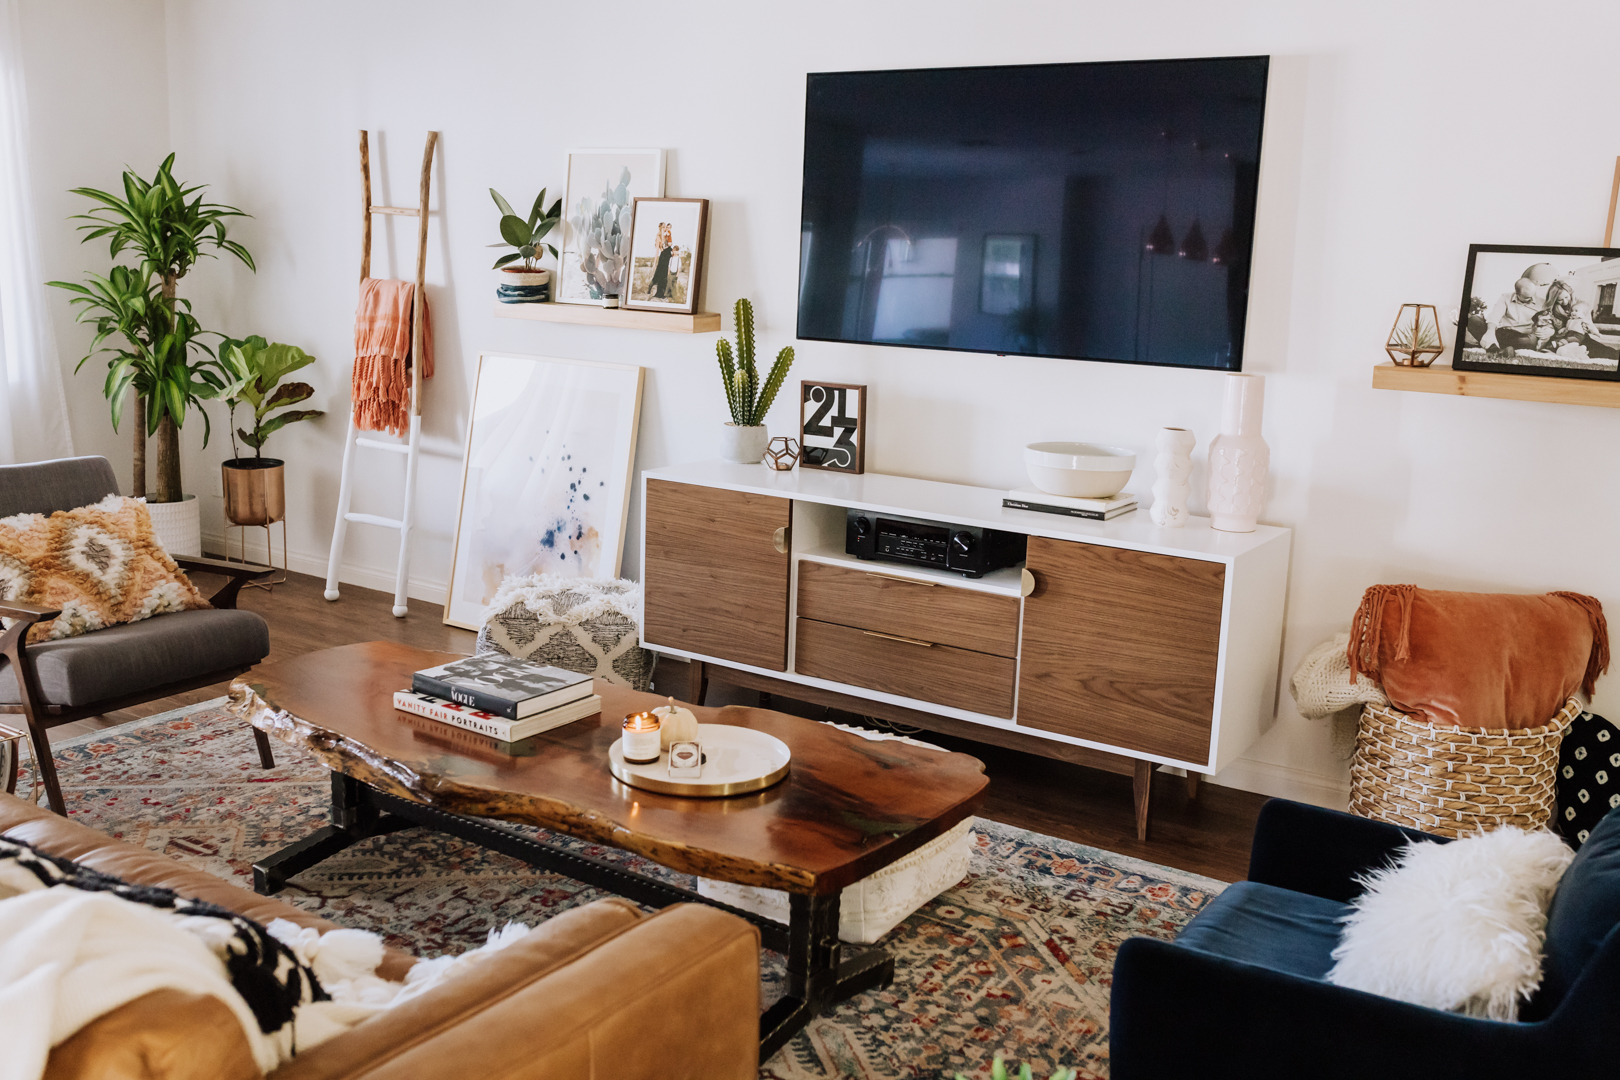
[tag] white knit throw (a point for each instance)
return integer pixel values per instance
(546, 594)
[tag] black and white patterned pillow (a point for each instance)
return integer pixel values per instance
(1588, 777)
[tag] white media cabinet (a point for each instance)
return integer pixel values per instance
(1116, 644)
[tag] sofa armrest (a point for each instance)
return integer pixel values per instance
(596, 991)
(1175, 1010)
(1321, 852)
(239, 573)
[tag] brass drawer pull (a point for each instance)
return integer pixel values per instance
(780, 538)
(897, 577)
(894, 637)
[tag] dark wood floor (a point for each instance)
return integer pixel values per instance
(1208, 835)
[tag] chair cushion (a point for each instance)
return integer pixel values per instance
(133, 657)
(1584, 909)
(44, 487)
(1273, 928)
(100, 564)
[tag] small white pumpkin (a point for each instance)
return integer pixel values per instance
(676, 724)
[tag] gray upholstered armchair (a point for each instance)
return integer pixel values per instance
(56, 682)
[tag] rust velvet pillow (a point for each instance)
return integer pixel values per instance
(101, 564)
(1491, 660)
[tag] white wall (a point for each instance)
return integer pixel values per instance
(1398, 133)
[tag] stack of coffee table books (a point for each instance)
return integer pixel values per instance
(1095, 509)
(499, 696)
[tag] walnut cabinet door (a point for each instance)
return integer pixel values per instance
(715, 573)
(1121, 647)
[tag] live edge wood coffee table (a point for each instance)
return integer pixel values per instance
(848, 807)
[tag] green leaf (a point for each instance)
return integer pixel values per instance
(281, 420)
(514, 231)
(506, 207)
(290, 394)
(539, 204)
(504, 259)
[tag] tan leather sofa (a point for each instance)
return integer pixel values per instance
(599, 991)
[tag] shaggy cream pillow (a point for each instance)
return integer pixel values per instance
(1455, 926)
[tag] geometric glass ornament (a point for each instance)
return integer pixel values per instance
(1195, 248)
(1414, 340)
(1161, 241)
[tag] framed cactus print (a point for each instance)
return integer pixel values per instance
(666, 255)
(598, 205)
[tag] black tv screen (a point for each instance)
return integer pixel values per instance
(1091, 211)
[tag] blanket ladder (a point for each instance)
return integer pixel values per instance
(353, 438)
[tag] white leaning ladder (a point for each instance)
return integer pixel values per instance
(353, 438)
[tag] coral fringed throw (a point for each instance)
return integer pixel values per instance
(1486, 660)
(382, 355)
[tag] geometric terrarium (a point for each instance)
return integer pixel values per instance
(1414, 340)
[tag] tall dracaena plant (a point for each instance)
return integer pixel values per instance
(745, 397)
(169, 227)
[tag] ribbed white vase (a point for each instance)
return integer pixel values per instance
(1173, 478)
(178, 525)
(1239, 459)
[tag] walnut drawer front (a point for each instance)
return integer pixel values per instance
(908, 666)
(872, 600)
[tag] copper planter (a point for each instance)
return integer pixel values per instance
(255, 490)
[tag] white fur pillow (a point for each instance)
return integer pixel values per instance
(1455, 926)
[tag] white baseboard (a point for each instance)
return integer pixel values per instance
(366, 577)
(1284, 782)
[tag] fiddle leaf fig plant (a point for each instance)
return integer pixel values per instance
(745, 397)
(526, 235)
(254, 368)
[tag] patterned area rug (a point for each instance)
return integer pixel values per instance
(1016, 959)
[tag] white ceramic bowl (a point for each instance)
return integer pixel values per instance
(1079, 470)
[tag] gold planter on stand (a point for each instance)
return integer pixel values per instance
(256, 497)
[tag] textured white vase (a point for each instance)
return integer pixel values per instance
(178, 525)
(744, 445)
(1173, 477)
(1239, 458)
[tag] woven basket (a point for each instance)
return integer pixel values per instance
(1454, 781)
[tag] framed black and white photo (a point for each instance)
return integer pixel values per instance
(1540, 311)
(666, 254)
(832, 426)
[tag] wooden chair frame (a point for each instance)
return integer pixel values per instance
(42, 716)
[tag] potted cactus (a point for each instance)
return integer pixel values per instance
(749, 400)
(527, 282)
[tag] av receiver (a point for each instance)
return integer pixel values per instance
(967, 549)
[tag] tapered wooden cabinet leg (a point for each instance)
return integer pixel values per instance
(697, 682)
(267, 759)
(1192, 785)
(1142, 788)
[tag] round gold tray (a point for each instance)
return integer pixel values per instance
(737, 760)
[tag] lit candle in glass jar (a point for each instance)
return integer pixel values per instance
(640, 742)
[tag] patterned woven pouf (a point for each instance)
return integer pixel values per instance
(1454, 781)
(588, 625)
(877, 904)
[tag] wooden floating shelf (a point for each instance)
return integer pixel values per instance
(704, 322)
(1443, 379)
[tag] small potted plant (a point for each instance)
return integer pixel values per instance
(255, 487)
(526, 283)
(748, 400)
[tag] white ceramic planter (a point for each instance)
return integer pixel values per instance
(1173, 469)
(178, 525)
(1239, 459)
(744, 445)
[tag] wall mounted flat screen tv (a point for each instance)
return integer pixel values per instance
(1097, 211)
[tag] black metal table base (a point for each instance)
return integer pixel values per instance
(818, 975)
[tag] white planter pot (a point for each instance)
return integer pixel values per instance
(1239, 459)
(744, 445)
(1173, 467)
(178, 526)
(525, 277)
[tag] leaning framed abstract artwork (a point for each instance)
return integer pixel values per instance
(601, 187)
(666, 254)
(832, 426)
(545, 485)
(1540, 311)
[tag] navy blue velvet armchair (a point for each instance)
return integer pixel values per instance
(1241, 993)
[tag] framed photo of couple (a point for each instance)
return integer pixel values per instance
(1546, 311)
(667, 239)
